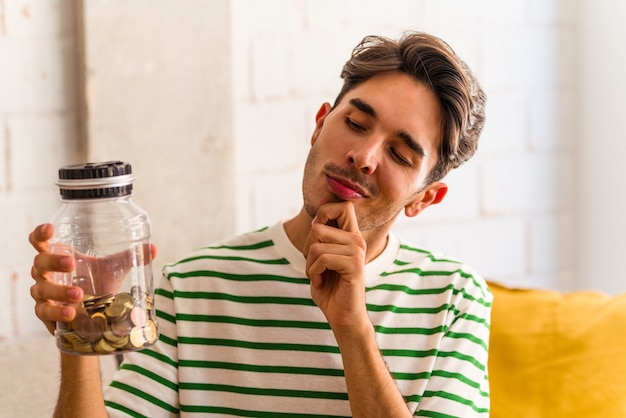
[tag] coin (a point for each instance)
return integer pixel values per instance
(121, 326)
(137, 338)
(115, 309)
(138, 316)
(88, 329)
(103, 347)
(110, 323)
(150, 332)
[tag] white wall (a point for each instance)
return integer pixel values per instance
(158, 94)
(601, 193)
(38, 133)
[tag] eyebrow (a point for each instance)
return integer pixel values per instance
(403, 135)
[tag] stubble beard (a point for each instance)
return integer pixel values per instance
(366, 221)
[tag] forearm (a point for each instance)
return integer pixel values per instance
(371, 388)
(81, 388)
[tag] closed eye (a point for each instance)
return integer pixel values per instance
(353, 125)
(398, 157)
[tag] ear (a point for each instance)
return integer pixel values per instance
(432, 195)
(319, 120)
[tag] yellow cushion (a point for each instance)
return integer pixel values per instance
(557, 354)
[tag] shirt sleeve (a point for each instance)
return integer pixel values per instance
(459, 384)
(147, 382)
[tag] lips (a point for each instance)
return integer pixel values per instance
(344, 189)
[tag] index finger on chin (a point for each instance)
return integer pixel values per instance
(340, 215)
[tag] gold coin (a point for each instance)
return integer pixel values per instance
(103, 347)
(98, 315)
(121, 343)
(73, 338)
(97, 302)
(137, 338)
(125, 299)
(110, 335)
(115, 309)
(83, 348)
(121, 327)
(150, 332)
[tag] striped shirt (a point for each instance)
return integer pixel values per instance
(241, 336)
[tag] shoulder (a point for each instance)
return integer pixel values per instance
(439, 268)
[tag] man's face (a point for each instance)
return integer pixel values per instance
(375, 148)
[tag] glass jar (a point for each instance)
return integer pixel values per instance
(109, 237)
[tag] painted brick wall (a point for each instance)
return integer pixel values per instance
(508, 210)
(38, 133)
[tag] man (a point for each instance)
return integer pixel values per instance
(326, 314)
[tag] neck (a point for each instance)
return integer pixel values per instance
(298, 228)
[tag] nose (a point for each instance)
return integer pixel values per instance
(364, 156)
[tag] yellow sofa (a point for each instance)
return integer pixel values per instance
(557, 354)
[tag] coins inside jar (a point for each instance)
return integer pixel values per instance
(111, 323)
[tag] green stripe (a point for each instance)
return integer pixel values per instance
(433, 414)
(439, 373)
(124, 409)
(444, 273)
(238, 277)
(412, 310)
(158, 356)
(287, 393)
(253, 414)
(258, 346)
(460, 378)
(249, 247)
(150, 375)
(276, 261)
(165, 293)
(469, 337)
(410, 376)
(473, 318)
(222, 319)
(414, 249)
(411, 291)
(412, 331)
(455, 398)
(256, 246)
(428, 254)
(165, 316)
(167, 340)
(245, 299)
(260, 369)
(145, 396)
(430, 291)
(433, 353)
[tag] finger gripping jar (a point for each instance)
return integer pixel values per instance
(109, 237)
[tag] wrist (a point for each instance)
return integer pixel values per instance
(355, 334)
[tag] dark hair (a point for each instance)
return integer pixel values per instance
(432, 62)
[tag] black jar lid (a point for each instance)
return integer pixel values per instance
(96, 180)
